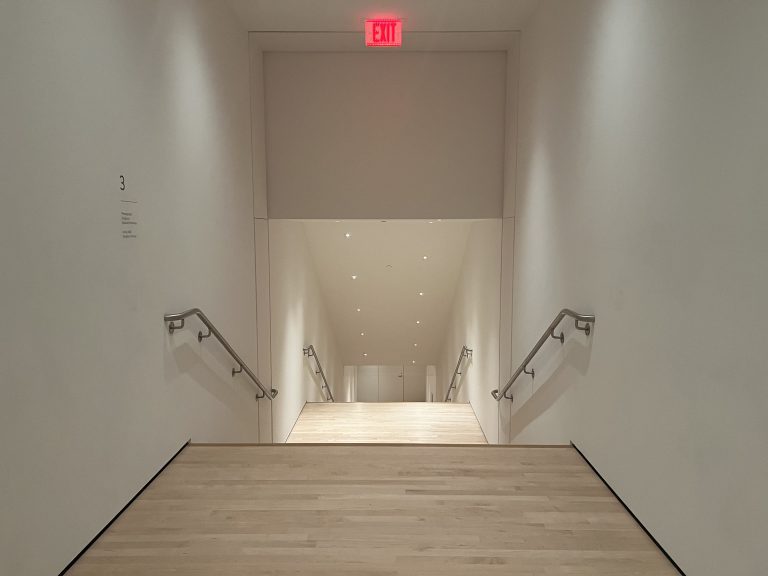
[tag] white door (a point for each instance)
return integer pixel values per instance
(432, 384)
(367, 383)
(414, 383)
(390, 384)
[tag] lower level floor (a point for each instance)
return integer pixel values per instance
(387, 423)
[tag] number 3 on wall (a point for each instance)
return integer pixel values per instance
(122, 182)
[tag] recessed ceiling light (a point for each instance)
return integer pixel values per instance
(358, 309)
(365, 353)
(362, 333)
(424, 257)
(415, 345)
(354, 276)
(420, 293)
(418, 321)
(431, 222)
(413, 361)
(347, 234)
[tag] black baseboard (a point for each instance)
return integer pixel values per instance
(659, 546)
(84, 550)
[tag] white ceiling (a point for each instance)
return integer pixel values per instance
(348, 15)
(387, 258)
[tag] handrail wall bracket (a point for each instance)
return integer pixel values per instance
(585, 328)
(583, 322)
(497, 396)
(201, 336)
(532, 373)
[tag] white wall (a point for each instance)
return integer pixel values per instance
(642, 198)
(95, 395)
(474, 322)
(299, 318)
(395, 135)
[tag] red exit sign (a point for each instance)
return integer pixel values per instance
(384, 32)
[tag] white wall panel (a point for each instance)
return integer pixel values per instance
(397, 135)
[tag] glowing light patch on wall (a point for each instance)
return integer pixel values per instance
(384, 32)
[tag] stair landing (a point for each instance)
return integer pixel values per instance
(387, 423)
(366, 510)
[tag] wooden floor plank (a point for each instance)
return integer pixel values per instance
(393, 422)
(375, 510)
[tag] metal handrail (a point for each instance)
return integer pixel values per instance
(465, 352)
(309, 352)
(212, 331)
(549, 333)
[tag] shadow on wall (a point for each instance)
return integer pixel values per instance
(466, 364)
(314, 376)
(573, 355)
(209, 367)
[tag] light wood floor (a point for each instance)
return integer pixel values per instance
(375, 510)
(392, 422)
